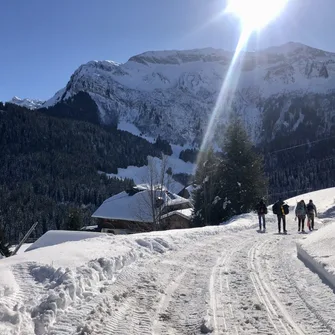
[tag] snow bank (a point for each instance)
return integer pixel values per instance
(38, 286)
(23, 248)
(53, 237)
(317, 251)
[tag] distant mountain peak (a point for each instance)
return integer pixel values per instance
(28, 103)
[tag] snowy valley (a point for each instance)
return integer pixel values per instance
(221, 280)
(109, 117)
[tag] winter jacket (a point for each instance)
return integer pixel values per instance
(301, 209)
(311, 209)
(278, 208)
(261, 208)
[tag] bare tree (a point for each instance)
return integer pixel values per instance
(157, 181)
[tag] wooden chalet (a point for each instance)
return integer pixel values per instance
(132, 211)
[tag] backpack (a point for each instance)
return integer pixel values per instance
(286, 209)
(275, 208)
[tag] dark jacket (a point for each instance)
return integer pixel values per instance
(311, 209)
(280, 208)
(261, 208)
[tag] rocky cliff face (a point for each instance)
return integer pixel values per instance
(173, 93)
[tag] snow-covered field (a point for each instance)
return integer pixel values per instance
(224, 280)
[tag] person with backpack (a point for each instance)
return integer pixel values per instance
(311, 212)
(281, 209)
(261, 211)
(300, 212)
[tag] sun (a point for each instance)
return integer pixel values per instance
(255, 14)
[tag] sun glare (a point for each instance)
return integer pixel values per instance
(255, 14)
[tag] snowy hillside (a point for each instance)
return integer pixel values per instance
(141, 174)
(172, 93)
(228, 279)
(29, 103)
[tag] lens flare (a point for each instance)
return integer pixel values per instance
(254, 15)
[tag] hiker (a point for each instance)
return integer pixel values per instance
(311, 212)
(261, 211)
(300, 213)
(280, 208)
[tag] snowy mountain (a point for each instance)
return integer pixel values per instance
(29, 103)
(172, 93)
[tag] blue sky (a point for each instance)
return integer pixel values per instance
(44, 41)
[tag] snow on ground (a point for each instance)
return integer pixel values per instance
(321, 246)
(54, 237)
(317, 250)
(140, 175)
(23, 248)
(229, 279)
(131, 128)
(43, 289)
(324, 201)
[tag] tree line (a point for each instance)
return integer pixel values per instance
(52, 167)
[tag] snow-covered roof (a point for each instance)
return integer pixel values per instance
(89, 227)
(134, 205)
(186, 213)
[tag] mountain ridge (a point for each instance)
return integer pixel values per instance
(26, 102)
(173, 93)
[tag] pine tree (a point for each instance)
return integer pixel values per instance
(242, 176)
(229, 183)
(74, 219)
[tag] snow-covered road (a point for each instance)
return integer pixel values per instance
(231, 283)
(218, 280)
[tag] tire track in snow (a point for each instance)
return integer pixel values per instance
(127, 304)
(269, 297)
(220, 292)
(23, 300)
(165, 301)
(187, 310)
(187, 307)
(260, 295)
(157, 289)
(214, 302)
(238, 296)
(301, 298)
